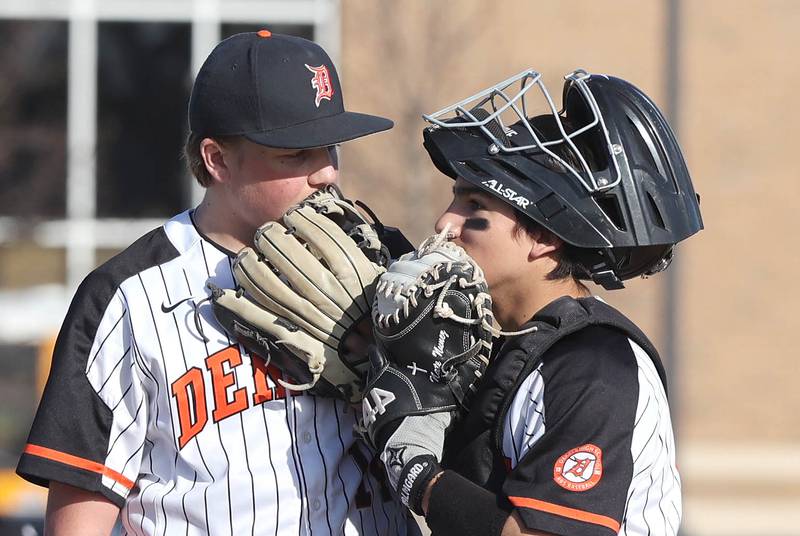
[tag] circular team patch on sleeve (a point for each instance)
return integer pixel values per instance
(579, 469)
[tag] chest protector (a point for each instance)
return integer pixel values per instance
(474, 447)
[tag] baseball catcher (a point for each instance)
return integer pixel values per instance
(305, 288)
(569, 432)
(433, 326)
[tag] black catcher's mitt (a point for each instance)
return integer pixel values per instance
(432, 323)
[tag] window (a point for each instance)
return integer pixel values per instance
(143, 85)
(93, 106)
(33, 119)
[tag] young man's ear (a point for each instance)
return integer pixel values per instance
(216, 158)
(543, 243)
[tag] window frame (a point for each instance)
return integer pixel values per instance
(81, 233)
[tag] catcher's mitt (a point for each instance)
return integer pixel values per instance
(432, 322)
(308, 284)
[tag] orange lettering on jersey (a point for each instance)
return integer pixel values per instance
(222, 380)
(265, 393)
(190, 395)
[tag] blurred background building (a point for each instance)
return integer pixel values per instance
(93, 115)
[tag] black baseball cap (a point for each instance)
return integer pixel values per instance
(274, 90)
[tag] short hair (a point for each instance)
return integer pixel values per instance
(567, 257)
(194, 160)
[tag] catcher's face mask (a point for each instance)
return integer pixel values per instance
(501, 113)
(604, 173)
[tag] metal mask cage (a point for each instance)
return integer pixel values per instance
(502, 97)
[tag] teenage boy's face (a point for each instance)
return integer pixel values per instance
(484, 227)
(266, 181)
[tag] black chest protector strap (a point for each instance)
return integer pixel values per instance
(474, 447)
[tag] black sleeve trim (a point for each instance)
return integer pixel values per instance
(591, 392)
(72, 417)
(457, 507)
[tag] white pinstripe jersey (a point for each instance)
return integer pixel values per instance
(607, 420)
(156, 408)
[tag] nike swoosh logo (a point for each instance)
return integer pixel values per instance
(169, 308)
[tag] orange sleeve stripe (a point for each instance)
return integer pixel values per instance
(80, 463)
(563, 511)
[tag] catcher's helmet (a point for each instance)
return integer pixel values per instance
(605, 174)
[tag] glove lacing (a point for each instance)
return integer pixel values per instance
(315, 364)
(365, 235)
(406, 296)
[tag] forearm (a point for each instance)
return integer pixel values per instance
(456, 506)
(72, 510)
(486, 513)
(514, 527)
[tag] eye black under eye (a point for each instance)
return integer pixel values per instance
(476, 224)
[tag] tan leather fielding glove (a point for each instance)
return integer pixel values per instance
(309, 282)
